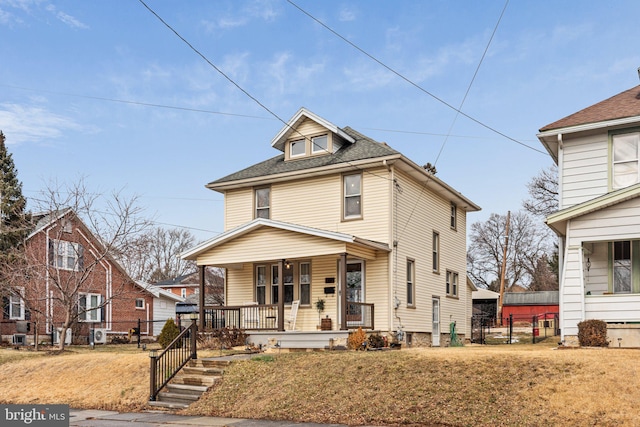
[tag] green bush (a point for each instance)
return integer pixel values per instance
(169, 333)
(592, 333)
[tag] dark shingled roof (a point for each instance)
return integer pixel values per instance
(625, 104)
(363, 148)
(531, 298)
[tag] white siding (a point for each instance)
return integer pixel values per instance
(584, 169)
(163, 309)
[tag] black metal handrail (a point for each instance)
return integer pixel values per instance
(250, 317)
(167, 364)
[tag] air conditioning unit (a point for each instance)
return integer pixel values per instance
(99, 336)
(56, 336)
(19, 339)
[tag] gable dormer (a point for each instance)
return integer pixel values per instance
(307, 135)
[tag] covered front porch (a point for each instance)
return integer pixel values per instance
(286, 278)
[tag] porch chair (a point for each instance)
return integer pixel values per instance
(293, 313)
(251, 315)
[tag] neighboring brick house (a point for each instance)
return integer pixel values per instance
(59, 251)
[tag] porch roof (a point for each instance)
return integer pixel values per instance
(558, 221)
(265, 239)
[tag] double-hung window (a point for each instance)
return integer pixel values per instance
(90, 308)
(411, 288)
(352, 188)
(454, 216)
(66, 255)
(622, 267)
(263, 202)
(274, 284)
(16, 304)
(140, 303)
(625, 169)
(452, 284)
(435, 251)
(305, 283)
(288, 283)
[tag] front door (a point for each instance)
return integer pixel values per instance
(355, 292)
(435, 327)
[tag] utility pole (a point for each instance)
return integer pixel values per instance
(504, 266)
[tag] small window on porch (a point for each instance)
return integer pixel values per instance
(261, 284)
(305, 283)
(622, 267)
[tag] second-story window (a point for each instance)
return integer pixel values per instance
(454, 216)
(66, 255)
(436, 252)
(625, 159)
(352, 196)
(263, 203)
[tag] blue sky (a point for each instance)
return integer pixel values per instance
(76, 75)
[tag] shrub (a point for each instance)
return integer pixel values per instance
(356, 339)
(169, 333)
(592, 333)
(377, 341)
(224, 338)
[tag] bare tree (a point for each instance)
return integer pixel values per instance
(528, 242)
(155, 255)
(103, 229)
(543, 192)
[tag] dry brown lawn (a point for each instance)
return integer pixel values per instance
(522, 385)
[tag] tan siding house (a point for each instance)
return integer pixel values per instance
(341, 218)
(597, 151)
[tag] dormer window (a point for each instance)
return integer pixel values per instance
(320, 144)
(298, 148)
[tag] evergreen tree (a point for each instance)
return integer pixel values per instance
(13, 220)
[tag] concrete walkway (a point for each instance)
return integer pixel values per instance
(95, 417)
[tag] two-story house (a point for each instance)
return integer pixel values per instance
(341, 218)
(67, 266)
(598, 221)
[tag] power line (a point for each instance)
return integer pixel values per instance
(145, 104)
(412, 83)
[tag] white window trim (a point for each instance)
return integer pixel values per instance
(19, 294)
(143, 303)
(346, 196)
(319, 150)
(62, 248)
(452, 284)
(259, 208)
(636, 160)
(291, 144)
(435, 252)
(411, 281)
(84, 317)
(454, 216)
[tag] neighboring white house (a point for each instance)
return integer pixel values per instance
(597, 151)
(164, 307)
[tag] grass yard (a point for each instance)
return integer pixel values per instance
(508, 385)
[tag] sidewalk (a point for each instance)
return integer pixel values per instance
(98, 418)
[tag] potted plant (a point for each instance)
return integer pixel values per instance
(320, 307)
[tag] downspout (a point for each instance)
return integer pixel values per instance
(561, 284)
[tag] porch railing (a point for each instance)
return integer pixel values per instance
(359, 314)
(168, 363)
(251, 317)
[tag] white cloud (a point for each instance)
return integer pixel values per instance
(66, 18)
(22, 124)
(259, 9)
(347, 14)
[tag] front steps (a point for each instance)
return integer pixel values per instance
(190, 383)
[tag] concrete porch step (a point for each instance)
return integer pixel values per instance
(195, 370)
(196, 380)
(195, 390)
(167, 405)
